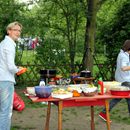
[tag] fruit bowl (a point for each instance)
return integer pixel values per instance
(43, 92)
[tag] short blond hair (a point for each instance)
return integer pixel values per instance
(11, 25)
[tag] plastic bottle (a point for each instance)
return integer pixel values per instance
(100, 87)
(42, 83)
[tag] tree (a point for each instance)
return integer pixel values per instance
(113, 30)
(10, 11)
(63, 19)
(90, 34)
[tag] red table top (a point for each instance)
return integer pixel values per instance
(97, 100)
(81, 98)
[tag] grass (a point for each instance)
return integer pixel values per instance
(119, 113)
(18, 128)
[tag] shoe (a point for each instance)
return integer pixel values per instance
(103, 116)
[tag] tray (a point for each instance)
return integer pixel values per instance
(62, 96)
(23, 70)
(120, 92)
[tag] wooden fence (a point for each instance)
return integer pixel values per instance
(32, 76)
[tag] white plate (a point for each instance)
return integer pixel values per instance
(62, 96)
(77, 85)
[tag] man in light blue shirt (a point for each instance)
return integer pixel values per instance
(122, 74)
(8, 69)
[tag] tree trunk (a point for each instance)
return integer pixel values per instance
(90, 35)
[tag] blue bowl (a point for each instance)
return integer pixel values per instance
(43, 91)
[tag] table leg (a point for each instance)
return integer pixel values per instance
(60, 115)
(48, 116)
(107, 114)
(92, 118)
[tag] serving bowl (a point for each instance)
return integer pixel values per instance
(110, 85)
(30, 90)
(120, 92)
(43, 92)
(89, 91)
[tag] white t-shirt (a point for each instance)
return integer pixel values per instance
(122, 60)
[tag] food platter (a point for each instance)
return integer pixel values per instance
(62, 96)
(61, 93)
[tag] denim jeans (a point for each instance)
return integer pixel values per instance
(113, 102)
(6, 104)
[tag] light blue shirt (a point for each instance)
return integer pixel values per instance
(7, 60)
(122, 60)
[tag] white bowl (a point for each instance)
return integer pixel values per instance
(31, 90)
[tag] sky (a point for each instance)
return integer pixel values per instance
(27, 1)
(24, 1)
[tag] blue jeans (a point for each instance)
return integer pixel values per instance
(113, 102)
(6, 104)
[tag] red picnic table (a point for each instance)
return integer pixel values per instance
(97, 100)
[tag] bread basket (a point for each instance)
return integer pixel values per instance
(90, 93)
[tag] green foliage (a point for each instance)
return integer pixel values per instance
(113, 28)
(10, 11)
(52, 55)
(61, 25)
(62, 20)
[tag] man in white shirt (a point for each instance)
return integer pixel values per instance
(122, 74)
(8, 69)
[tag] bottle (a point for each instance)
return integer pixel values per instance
(42, 83)
(100, 87)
